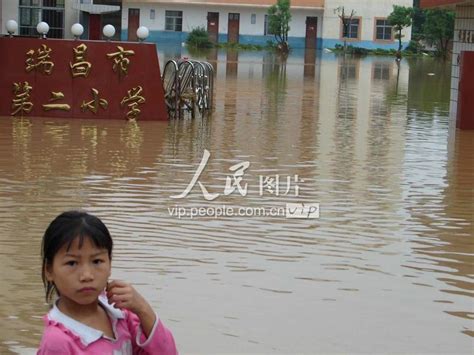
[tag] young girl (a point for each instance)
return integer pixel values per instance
(92, 315)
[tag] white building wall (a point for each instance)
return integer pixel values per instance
(71, 16)
(368, 10)
(196, 16)
(9, 12)
(298, 22)
(464, 22)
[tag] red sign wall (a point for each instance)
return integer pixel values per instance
(80, 79)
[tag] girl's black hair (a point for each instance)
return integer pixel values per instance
(63, 230)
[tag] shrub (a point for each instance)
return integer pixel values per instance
(414, 47)
(359, 51)
(199, 38)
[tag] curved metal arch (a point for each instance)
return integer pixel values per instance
(188, 85)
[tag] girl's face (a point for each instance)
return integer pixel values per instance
(80, 274)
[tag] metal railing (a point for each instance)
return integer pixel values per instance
(188, 86)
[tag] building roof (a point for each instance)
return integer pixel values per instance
(443, 3)
(295, 4)
(95, 9)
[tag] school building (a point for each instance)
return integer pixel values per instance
(314, 23)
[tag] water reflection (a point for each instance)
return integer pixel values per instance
(392, 250)
(309, 63)
(232, 63)
(211, 57)
(428, 81)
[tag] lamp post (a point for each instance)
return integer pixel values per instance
(42, 29)
(11, 26)
(108, 31)
(77, 30)
(142, 33)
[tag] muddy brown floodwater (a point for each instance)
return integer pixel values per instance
(387, 268)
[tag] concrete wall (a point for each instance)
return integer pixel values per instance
(464, 22)
(367, 10)
(71, 16)
(9, 12)
(195, 16)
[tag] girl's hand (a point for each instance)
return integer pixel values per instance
(125, 296)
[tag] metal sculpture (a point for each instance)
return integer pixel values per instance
(188, 86)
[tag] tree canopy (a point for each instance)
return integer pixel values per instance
(400, 18)
(438, 29)
(279, 17)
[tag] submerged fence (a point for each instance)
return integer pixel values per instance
(189, 87)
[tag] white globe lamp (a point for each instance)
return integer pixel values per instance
(42, 28)
(108, 31)
(12, 27)
(77, 30)
(142, 33)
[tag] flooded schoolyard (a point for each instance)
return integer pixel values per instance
(387, 268)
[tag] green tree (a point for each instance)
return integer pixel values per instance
(400, 18)
(418, 20)
(439, 29)
(279, 17)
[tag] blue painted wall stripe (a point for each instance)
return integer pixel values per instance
(170, 37)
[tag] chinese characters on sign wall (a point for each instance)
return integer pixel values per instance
(120, 61)
(21, 102)
(80, 67)
(94, 104)
(133, 99)
(41, 62)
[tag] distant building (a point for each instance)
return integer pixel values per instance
(61, 15)
(314, 22)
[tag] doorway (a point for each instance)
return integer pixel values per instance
(311, 32)
(233, 28)
(133, 24)
(213, 26)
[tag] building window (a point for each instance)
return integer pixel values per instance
(253, 19)
(383, 31)
(234, 16)
(266, 28)
(348, 71)
(382, 71)
(34, 11)
(152, 14)
(174, 21)
(352, 29)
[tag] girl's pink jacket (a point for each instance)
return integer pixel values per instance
(64, 335)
